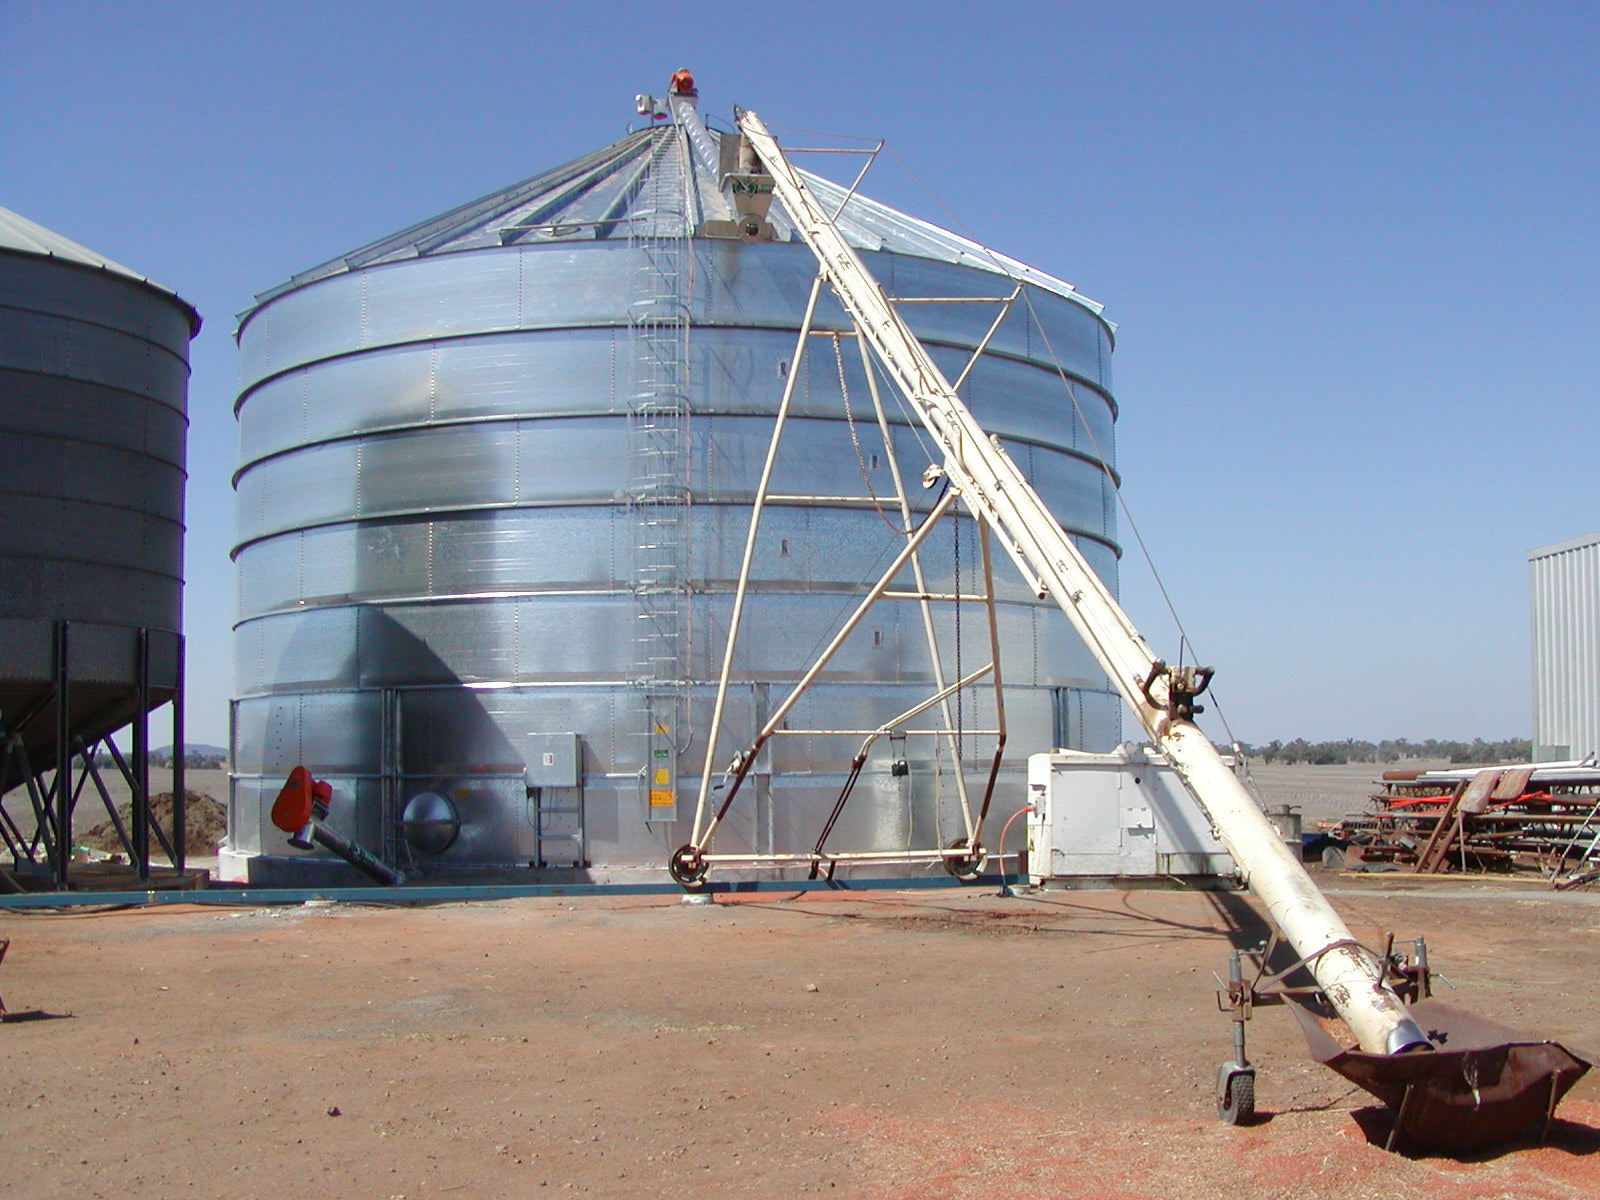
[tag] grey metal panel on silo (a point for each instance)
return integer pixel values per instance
(439, 543)
(1564, 593)
(93, 424)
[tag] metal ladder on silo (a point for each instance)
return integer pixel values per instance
(658, 461)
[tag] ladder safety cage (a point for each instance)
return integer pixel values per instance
(658, 491)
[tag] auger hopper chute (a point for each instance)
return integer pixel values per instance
(1481, 1085)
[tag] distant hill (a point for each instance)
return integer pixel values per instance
(193, 749)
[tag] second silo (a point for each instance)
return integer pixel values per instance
(495, 477)
(94, 377)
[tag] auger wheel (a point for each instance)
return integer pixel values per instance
(1236, 1094)
(688, 867)
(966, 867)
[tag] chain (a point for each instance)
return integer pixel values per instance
(960, 691)
(855, 442)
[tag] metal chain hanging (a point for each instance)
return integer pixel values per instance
(855, 441)
(955, 526)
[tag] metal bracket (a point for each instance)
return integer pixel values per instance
(1184, 685)
(1407, 974)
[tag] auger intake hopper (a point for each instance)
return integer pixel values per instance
(1482, 1085)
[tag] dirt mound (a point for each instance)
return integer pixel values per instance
(205, 823)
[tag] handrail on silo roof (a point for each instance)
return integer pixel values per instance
(627, 188)
(580, 184)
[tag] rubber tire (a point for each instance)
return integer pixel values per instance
(970, 868)
(1237, 1104)
(687, 869)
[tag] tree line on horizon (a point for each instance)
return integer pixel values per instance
(1299, 751)
(1356, 750)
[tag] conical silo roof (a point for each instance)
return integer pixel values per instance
(18, 235)
(607, 194)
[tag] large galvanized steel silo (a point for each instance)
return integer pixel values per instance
(93, 424)
(495, 478)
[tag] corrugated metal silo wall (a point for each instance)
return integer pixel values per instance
(93, 384)
(434, 547)
(1564, 588)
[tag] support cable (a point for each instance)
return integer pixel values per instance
(1072, 392)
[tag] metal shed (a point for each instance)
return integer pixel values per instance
(1564, 590)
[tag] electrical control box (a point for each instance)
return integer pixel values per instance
(1119, 816)
(553, 760)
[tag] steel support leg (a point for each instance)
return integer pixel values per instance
(180, 781)
(63, 781)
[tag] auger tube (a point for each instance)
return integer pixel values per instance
(990, 484)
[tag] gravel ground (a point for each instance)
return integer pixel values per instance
(890, 1045)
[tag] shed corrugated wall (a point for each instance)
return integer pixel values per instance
(1564, 586)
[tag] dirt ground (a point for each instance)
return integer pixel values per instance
(205, 825)
(892, 1044)
(91, 824)
(1329, 791)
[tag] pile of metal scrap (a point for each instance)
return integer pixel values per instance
(1544, 816)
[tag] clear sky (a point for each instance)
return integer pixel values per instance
(1351, 248)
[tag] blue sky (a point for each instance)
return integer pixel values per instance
(1351, 249)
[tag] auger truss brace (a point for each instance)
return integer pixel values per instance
(963, 857)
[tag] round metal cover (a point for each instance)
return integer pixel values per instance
(430, 824)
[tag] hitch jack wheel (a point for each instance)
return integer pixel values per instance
(1236, 1094)
(688, 867)
(969, 866)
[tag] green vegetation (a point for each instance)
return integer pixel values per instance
(1508, 750)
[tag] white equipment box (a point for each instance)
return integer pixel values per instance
(1118, 816)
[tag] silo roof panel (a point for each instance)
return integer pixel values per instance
(607, 194)
(28, 237)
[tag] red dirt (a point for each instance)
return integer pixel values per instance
(205, 824)
(891, 1045)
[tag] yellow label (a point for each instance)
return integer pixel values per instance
(663, 777)
(662, 798)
